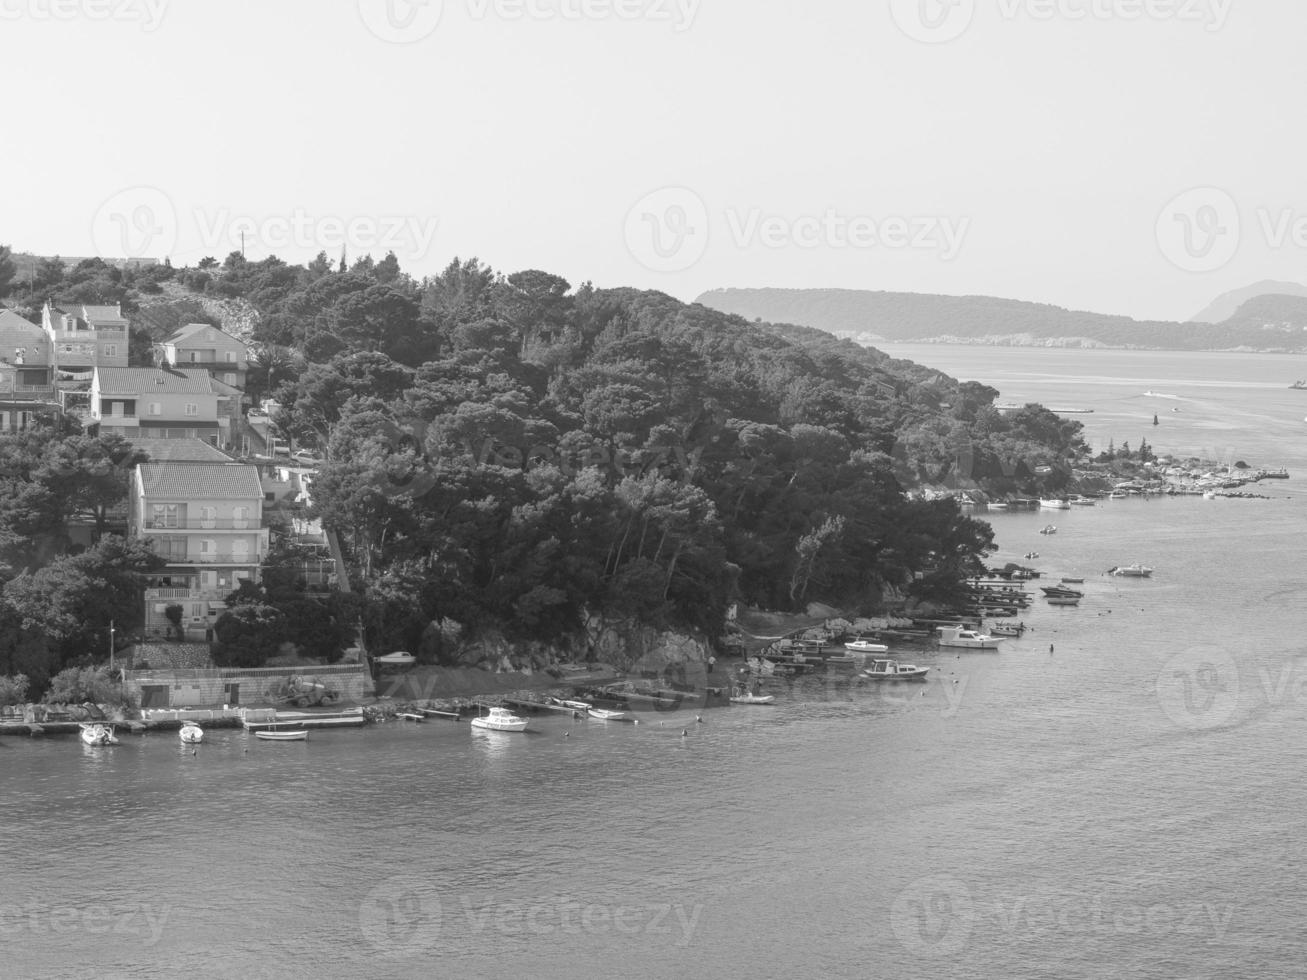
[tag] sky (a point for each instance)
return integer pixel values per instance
(1137, 157)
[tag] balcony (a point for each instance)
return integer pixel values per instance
(252, 557)
(203, 524)
(207, 361)
(27, 393)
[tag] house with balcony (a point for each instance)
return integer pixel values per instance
(205, 520)
(26, 372)
(84, 337)
(161, 403)
(201, 345)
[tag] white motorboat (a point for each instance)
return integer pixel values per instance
(605, 714)
(892, 670)
(191, 733)
(97, 734)
(1132, 571)
(753, 699)
(1050, 529)
(958, 636)
(1004, 629)
(865, 646)
(500, 720)
(397, 659)
(1055, 503)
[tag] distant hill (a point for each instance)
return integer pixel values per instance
(1226, 305)
(915, 317)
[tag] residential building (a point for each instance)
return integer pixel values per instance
(26, 371)
(84, 337)
(205, 520)
(161, 403)
(200, 345)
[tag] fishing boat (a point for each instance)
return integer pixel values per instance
(98, 734)
(191, 733)
(1063, 600)
(753, 698)
(1049, 529)
(1055, 503)
(1007, 629)
(892, 670)
(1132, 571)
(1060, 592)
(865, 646)
(299, 735)
(958, 636)
(500, 720)
(606, 714)
(1073, 581)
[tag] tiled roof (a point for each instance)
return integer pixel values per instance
(142, 381)
(197, 481)
(101, 313)
(180, 450)
(192, 329)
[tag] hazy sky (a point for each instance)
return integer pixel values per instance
(1126, 156)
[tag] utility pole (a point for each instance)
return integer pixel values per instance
(111, 644)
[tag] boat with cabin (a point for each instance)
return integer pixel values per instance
(500, 720)
(892, 670)
(1135, 570)
(960, 636)
(1055, 503)
(191, 733)
(861, 645)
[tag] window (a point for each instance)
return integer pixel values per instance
(229, 377)
(239, 516)
(195, 357)
(230, 357)
(156, 408)
(208, 516)
(208, 550)
(192, 409)
(164, 515)
(110, 350)
(240, 550)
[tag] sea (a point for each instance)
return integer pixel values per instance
(1117, 793)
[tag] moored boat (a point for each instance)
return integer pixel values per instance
(1063, 600)
(1007, 629)
(606, 714)
(958, 636)
(299, 735)
(753, 698)
(1060, 592)
(98, 734)
(500, 720)
(892, 670)
(191, 733)
(1048, 529)
(865, 646)
(1055, 503)
(1135, 570)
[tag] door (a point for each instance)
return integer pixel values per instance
(231, 694)
(154, 695)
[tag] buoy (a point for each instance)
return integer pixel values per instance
(685, 733)
(699, 719)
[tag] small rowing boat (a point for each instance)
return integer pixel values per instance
(301, 735)
(604, 714)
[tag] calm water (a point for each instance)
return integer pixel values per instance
(1128, 804)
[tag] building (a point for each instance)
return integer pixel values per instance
(205, 520)
(200, 345)
(26, 372)
(161, 403)
(83, 338)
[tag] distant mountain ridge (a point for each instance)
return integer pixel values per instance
(1262, 323)
(1227, 305)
